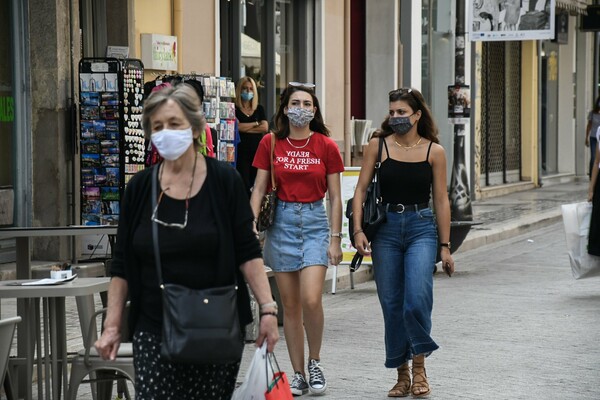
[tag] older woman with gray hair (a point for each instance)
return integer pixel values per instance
(204, 227)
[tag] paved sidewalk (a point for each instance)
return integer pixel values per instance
(470, 318)
(500, 218)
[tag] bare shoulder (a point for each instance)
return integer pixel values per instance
(437, 153)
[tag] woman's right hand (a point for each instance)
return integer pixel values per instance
(108, 344)
(362, 244)
(268, 331)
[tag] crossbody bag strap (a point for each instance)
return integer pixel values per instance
(155, 226)
(377, 167)
(272, 167)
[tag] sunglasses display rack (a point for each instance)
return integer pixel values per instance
(219, 109)
(111, 139)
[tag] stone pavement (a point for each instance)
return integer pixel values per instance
(511, 323)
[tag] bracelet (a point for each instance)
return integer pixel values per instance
(255, 220)
(266, 305)
(357, 232)
(273, 313)
(256, 123)
(336, 234)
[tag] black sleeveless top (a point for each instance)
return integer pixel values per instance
(404, 182)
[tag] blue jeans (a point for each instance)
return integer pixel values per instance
(404, 252)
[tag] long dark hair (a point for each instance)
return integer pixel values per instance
(282, 123)
(596, 108)
(426, 126)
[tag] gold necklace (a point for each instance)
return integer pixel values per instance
(299, 147)
(407, 148)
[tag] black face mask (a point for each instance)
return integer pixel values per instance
(400, 125)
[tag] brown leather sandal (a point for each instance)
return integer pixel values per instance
(402, 387)
(419, 379)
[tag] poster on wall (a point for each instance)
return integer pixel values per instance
(503, 20)
(459, 104)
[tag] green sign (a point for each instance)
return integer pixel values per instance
(7, 109)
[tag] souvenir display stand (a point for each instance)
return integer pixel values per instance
(111, 142)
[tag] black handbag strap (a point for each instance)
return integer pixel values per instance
(155, 226)
(377, 192)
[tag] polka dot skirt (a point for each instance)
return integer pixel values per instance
(156, 379)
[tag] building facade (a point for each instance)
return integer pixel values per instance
(529, 99)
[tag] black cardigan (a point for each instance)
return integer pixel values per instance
(237, 243)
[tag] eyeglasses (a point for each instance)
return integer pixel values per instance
(154, 218)
(303, 85)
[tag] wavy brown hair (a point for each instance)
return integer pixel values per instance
(426, 126)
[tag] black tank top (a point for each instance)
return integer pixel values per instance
(405, 182)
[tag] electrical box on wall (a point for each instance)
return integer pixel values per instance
(159, 52)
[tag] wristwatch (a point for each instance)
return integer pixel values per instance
(448, 245)
(337, 234)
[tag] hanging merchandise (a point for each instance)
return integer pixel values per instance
(111, 142)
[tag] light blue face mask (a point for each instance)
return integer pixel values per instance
(247, 96)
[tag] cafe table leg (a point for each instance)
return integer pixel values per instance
(25, 345)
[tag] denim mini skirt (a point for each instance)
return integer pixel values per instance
(299, 237)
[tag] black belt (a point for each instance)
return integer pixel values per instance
(400, 208)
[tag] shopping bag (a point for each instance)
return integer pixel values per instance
(256, 381)
(279, 386)
(576, 220)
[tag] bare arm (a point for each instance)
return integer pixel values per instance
(108, 344)
(252, 127)
(588, 129)
(254, 273)
(364, 179)
(335, 198)
(441, 202)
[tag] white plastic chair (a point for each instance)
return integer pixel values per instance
(89, 363)
(7, 332)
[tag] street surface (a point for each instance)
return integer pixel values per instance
(512, 323)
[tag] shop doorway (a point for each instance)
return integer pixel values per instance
(501, 113)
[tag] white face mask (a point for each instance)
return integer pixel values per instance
(172, 143)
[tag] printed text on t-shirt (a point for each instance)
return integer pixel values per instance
(298, 160)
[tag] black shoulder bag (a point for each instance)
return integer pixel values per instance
(200, 326)
(373, 212)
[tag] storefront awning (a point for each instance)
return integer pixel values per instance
(576, 7)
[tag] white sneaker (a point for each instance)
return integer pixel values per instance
(317, 384)
(298, 386)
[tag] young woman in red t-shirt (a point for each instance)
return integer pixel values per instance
(301, 243)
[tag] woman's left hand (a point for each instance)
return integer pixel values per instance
(447, 261)
(268, 330)
(334, 252)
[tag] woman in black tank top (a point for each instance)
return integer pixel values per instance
(404, 250)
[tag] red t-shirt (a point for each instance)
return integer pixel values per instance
(300, 171)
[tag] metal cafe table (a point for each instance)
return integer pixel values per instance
(53, 322)
(52, 327)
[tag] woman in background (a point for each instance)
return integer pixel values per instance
(252, 124)
(591, 132)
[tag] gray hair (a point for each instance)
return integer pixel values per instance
(185, 96)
